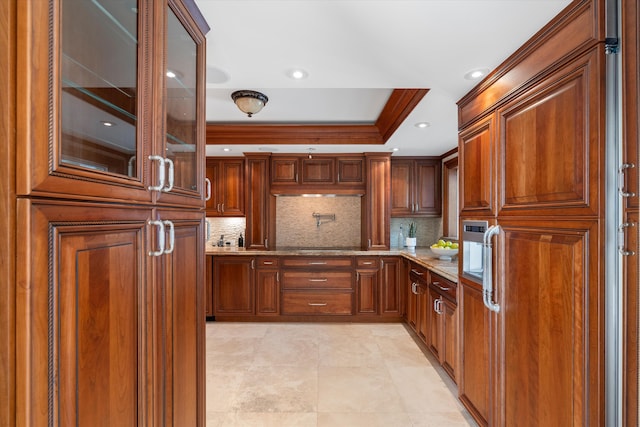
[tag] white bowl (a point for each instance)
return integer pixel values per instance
(444, 253)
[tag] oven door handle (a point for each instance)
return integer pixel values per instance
(487, 270)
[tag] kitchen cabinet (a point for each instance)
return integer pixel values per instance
(473, 376)
(284, 170)
(109, 184)
(415, 187)
(477, 175)
(367, 284)
(411, 313)
(376, 215)
(267, 286)
(350, 170)
(317, 285)
(442, 322)
(317, 170)
(208, 283)
(259, 203)
(391, 287)
(420, 291)
(545, 114)
(325, 173)
(226, 181)
(233, 284)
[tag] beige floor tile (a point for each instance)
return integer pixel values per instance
(439, 419)
(268, 419)
(360, 419)
(283, 351)
(423, 390)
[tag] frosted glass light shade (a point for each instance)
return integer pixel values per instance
(249, 101)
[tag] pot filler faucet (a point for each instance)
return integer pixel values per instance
(323, 218)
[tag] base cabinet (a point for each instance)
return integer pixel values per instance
(233, 284)
(267, 287)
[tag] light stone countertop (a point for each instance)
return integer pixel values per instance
(422, 256)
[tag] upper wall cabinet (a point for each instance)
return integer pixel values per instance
(477, 193)
(112, 104)
(326, 173)
(226, 180)
(415, 187)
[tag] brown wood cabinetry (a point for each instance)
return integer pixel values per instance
(442, 336)
(107, 187)
(208, 304)
(284, 170)
(226, 181)
(415, 187)
(367, 284)
(318, 170)
(420, 293)
(350, 170)
(473, 375)
(543, 110)
(477, 169)
(233, 284)
(391, 286)
(325, 173)
(267, 286)
(376, 214)
(317, 285)
(259, 206)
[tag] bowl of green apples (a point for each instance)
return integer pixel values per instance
(445, 250)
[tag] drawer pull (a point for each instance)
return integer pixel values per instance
(317, 304)
(267, 262)
(417, 272)
(437, 284)
(317, 280)
(318, 263)
(367, 263)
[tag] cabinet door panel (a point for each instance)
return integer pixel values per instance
(401, 179)
(267, 292)
(183, 326)
(284, 170)
(318, 171)
(433, 334)
(350, 171)
(548, 284)
(366, 292)
(87, 301)
(213, 175)
(476, 147)
(233, 285)
(390, 287)
(449, 356)
(257, 206)
(428, 188)
(232, 191)
(552, 141)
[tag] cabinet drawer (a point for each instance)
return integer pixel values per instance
(366, 262)
(318, 262)
(418, 274)
(318, 302)
(317, 279)
(444, 287)
(267, 262)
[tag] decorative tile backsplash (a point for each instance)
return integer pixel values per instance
(296, 227)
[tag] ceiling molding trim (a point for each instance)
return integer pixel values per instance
(398, 106)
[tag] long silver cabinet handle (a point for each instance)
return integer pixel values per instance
(317, 263)
(318, 280)
(160, 226)
(621, 170)
(317, 304)
(487, 273)
(161, 170)
(207, 181)
(169, 185)
(621, 239)
(417, 272)
(172, 236)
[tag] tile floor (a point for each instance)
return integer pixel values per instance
(310, 374)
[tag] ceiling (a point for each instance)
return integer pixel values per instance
(355, 53)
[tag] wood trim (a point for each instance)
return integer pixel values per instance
(398, 106)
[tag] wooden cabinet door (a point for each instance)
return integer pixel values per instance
(213, 175)
(318, 171)
(402, 204)
(549, 283)
(284, 170)
(376, 215)
(477, 176)
(449, 349)
(434, 332)
(208, 304)
(367, 291)
(473, 377)
(257, 202)
(182, 325)
(422, 311)
(233, 285)
(350, 171)
(84, 271)
(428, 188)
(232, 188)
(412, 306)
(391, 286)
(267, 292)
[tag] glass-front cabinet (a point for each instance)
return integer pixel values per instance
(116, 107)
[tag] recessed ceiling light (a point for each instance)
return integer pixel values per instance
(297, 74)
(226, 150)
(476, 73)
(395, 149)
(422, 125)
(107, 123)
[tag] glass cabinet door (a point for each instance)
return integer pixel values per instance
(181, 105)
(98, 87)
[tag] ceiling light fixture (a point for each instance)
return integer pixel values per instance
(422, 125)
(476, 73)
(249, 101)
(297, 74)
(107, 123)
